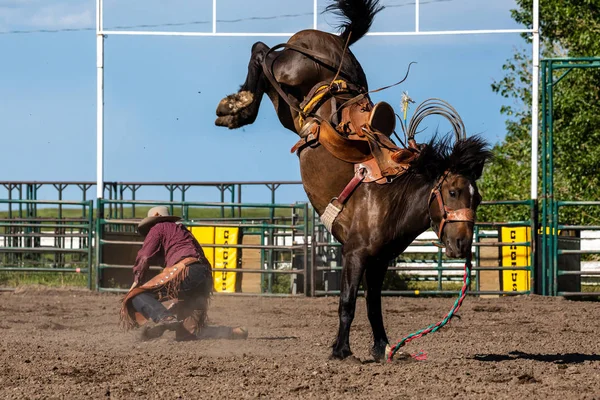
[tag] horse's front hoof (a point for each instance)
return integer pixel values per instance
(400, 356)
(380, 353)
(233, 103)
(340, 354)
(353, 360)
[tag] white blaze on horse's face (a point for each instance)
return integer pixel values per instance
(460, 199)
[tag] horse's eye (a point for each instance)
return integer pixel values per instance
(452, 193)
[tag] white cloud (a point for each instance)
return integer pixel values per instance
(62, 16)
(15, 3)
(18, 14)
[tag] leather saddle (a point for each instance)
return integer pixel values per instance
(361, 137)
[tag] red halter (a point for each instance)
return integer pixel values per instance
(449, 215)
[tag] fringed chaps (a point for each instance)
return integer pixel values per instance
(169, 279)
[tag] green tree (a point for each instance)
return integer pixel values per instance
(568, 28)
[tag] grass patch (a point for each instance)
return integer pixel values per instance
(281, 284)
(591, 285)
(433, 285)
(50, 279)
(396, 281)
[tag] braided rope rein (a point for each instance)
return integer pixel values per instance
(435, 327)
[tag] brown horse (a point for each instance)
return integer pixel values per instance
(378, 221)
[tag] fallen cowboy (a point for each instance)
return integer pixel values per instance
(185, 284)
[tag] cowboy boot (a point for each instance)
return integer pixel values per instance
(154, 330)
(190, 326)
(223, 332)
(239, 333)
(192, 314)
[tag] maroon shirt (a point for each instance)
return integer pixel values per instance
(167, 243)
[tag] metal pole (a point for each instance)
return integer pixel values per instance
(555, 246)
(477, 259)
(239, 200)
(537, 272)
(98, 244)
(121, 208)
(535, 85)
(315, 14)
(232, 190)
(214, 17)
(440, 268)
(313, 253)
(99, 102)
(544, 260)
(289, 34)
(305, 266)
(222, 189)
(294, 277)
(417, 10)
(550, 184)
(90, 237)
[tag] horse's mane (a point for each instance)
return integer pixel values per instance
(466, 157)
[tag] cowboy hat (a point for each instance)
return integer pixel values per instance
(155, 215)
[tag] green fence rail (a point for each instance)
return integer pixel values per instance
(233, 191)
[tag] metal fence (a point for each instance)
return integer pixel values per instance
(234, 191)
(557, 251)
(423, 269)
(563, 275)
(33, 242)
(269, 222)
(294, 253)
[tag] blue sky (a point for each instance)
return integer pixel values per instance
(161, 92)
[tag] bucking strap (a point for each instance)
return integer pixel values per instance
(336, 205)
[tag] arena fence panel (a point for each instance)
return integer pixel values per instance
(503, 261)
(250, 239)
(45, 237)
(277, 251)
(569, 251)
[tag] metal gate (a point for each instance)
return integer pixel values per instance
(563, 249)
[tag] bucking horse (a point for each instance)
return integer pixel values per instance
(374, 196)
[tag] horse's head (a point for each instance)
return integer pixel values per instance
(452, 207)
(454, 199)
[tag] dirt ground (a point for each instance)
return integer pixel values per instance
(66, 344)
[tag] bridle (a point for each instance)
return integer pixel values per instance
(448, 214)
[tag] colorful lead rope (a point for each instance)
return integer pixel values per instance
(442, 323)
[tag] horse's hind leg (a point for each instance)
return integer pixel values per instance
(241, 108)
(374, 278)
(354, 266)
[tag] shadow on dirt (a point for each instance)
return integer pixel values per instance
(567, 358)
(276, 338)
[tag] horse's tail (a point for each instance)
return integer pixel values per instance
(357, 17)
